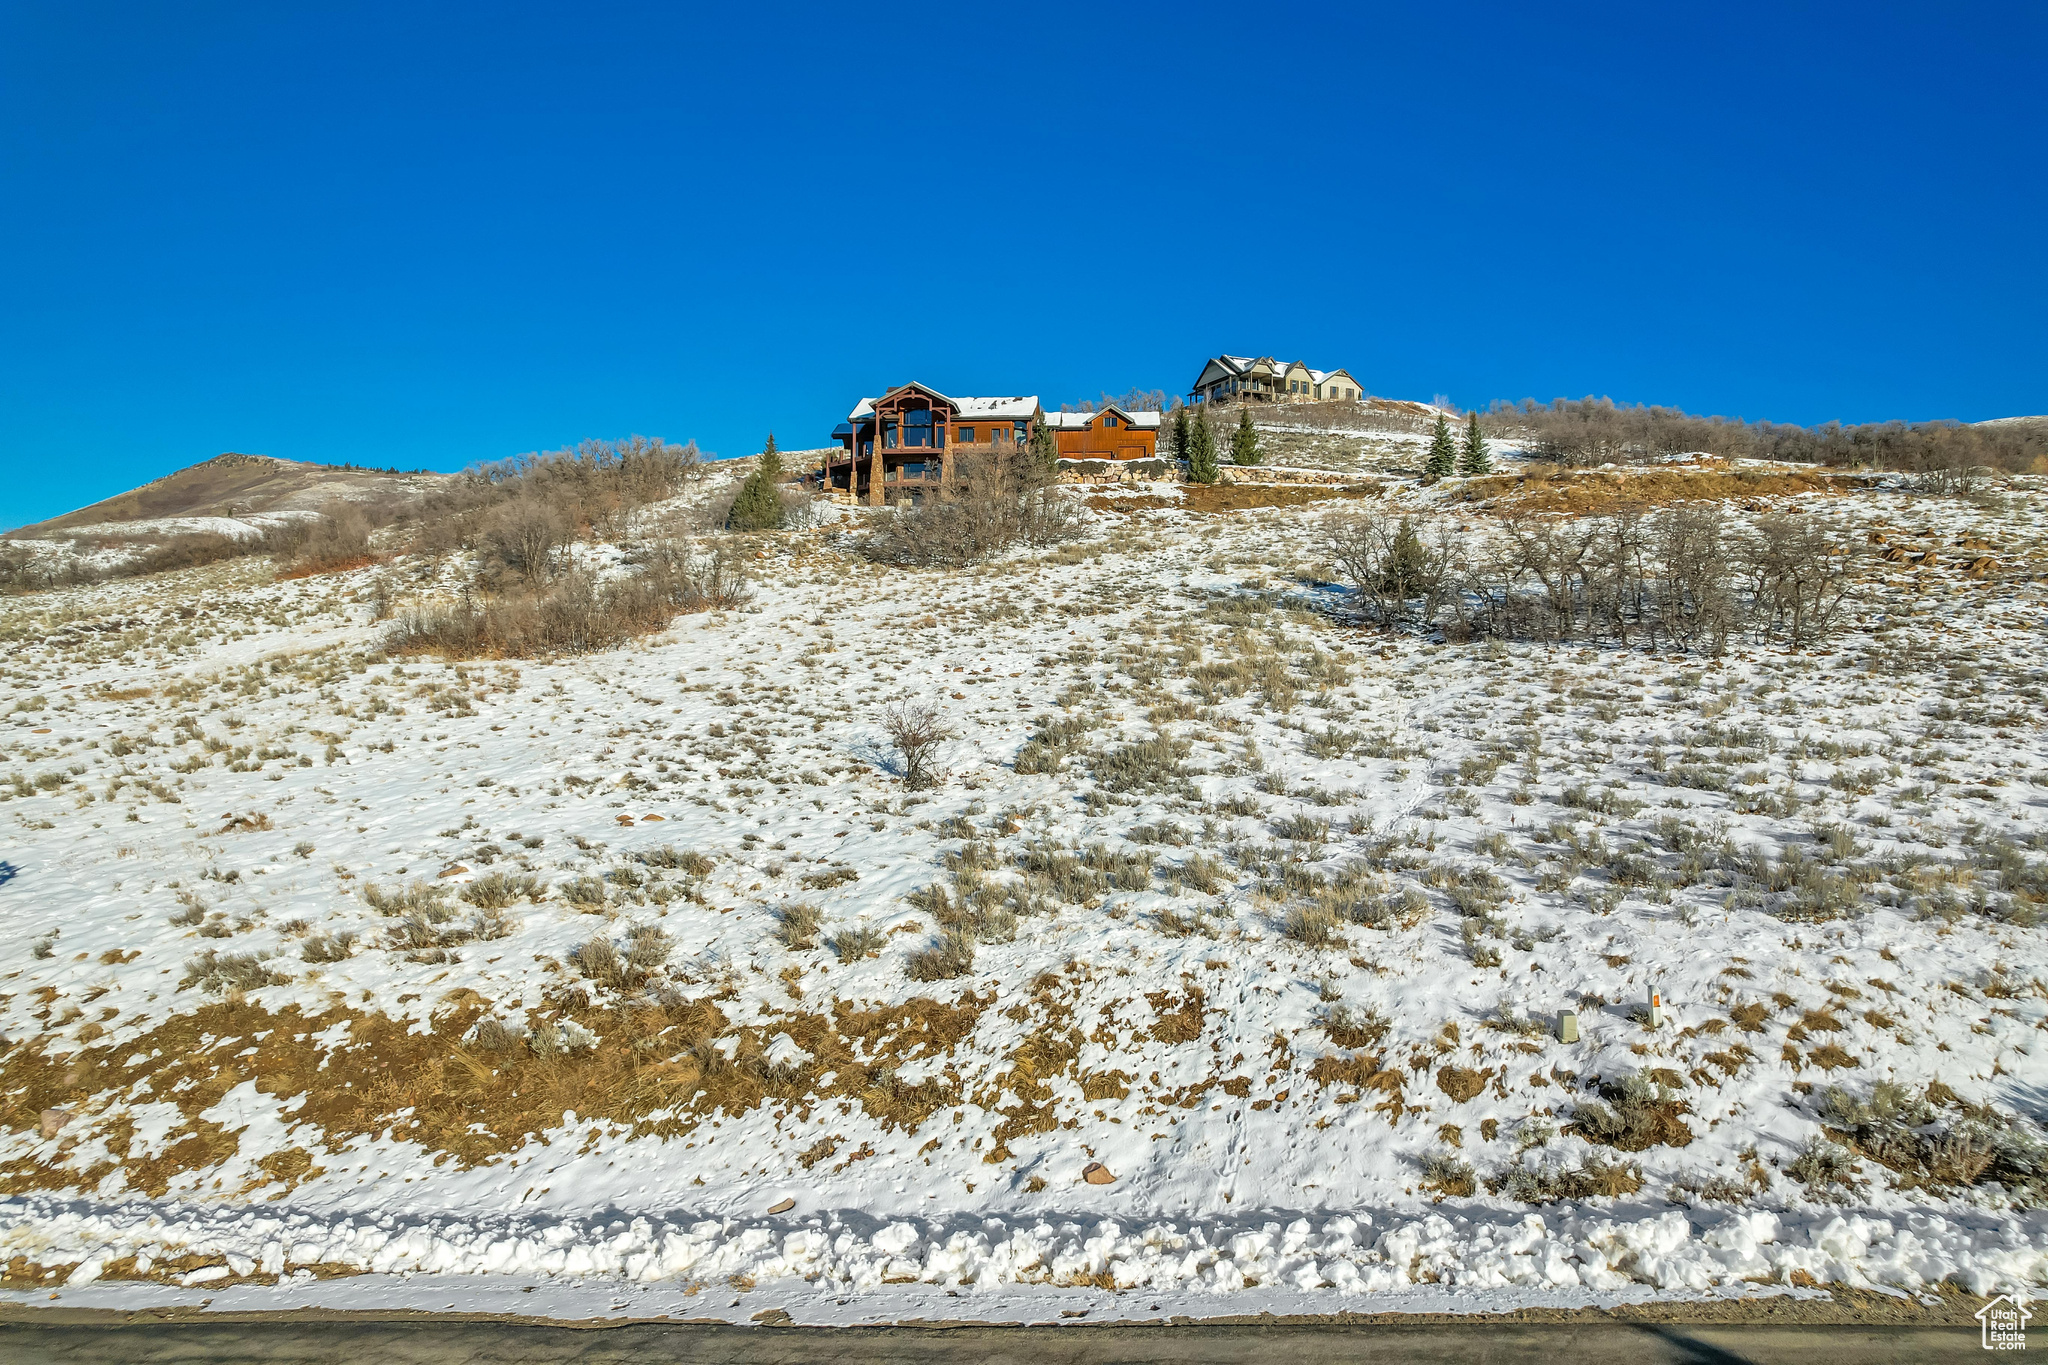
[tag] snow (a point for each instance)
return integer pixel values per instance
(1242, 1184)
(1309, 1265)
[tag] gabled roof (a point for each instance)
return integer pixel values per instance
(1234, 366)
(866, 406)
(1077, 421)
(1015, 407)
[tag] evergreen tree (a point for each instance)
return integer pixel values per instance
(1443, 452)
(1044, 451)
(1201, 447)
(1177, 433)
(758, 506)
(1406, 563)
(1244, 442)
(1473, 458)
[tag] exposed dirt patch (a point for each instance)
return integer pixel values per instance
(1212, 498)
(467, 1101)
(1598, 492)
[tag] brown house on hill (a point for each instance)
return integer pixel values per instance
(1111, 434)
(906, 443)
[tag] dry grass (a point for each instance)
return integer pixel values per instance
(1633, 1115)
(1210, 499)
(1550, 489)
(474, 1100)
(1593, 1179)
(1179, 1018)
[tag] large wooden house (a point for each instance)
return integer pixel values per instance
(907, 443)
(1262, 379)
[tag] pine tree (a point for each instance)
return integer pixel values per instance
(1406, 563)
(1443, 452)
(1201, 448)
(1244, 442)
(758, 508)
(1177, 434)
(1473, 458)
(1045, 454)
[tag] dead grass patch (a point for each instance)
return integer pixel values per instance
(651, 1067)
(1551, 489)
(1632, 1115)
(1461, 1084)
(1180, 1018)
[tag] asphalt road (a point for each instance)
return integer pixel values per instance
(312, 1342)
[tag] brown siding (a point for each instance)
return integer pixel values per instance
(1094, 442)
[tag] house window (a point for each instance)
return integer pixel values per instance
(1109, 419)
(1017, 432)
(997, 434)
(967, 434)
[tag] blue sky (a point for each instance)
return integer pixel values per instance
(425, 235)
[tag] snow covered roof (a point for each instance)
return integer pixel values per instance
(1076, 421)
(1236, 365)
(1017, 407)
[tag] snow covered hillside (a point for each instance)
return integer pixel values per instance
(1224, 968)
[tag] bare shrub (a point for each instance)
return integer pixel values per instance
(1592, 431)
(1799, 578)
(1347, 1027)
(526, 536)
(339, 538)
(647, 948)
(1592, 1179)
(497, 890)
(1144, 765)
(1314, 927)
(1934, 1139)
(688, 861)
(798, 925)
(420, 896)
(858, 941)
(216, 973)
(495, 1035)
(1401, 571)
(585, 893)
(598, 961)
(338, 947)
(1678, 578)
(997, 499)
(916, 730)
(952, 955)
(1449, 1175)
(1637, 1113)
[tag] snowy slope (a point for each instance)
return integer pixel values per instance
(212, 763)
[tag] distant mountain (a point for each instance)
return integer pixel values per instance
(250, 489)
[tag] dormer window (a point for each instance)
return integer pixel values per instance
(1109, 419)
